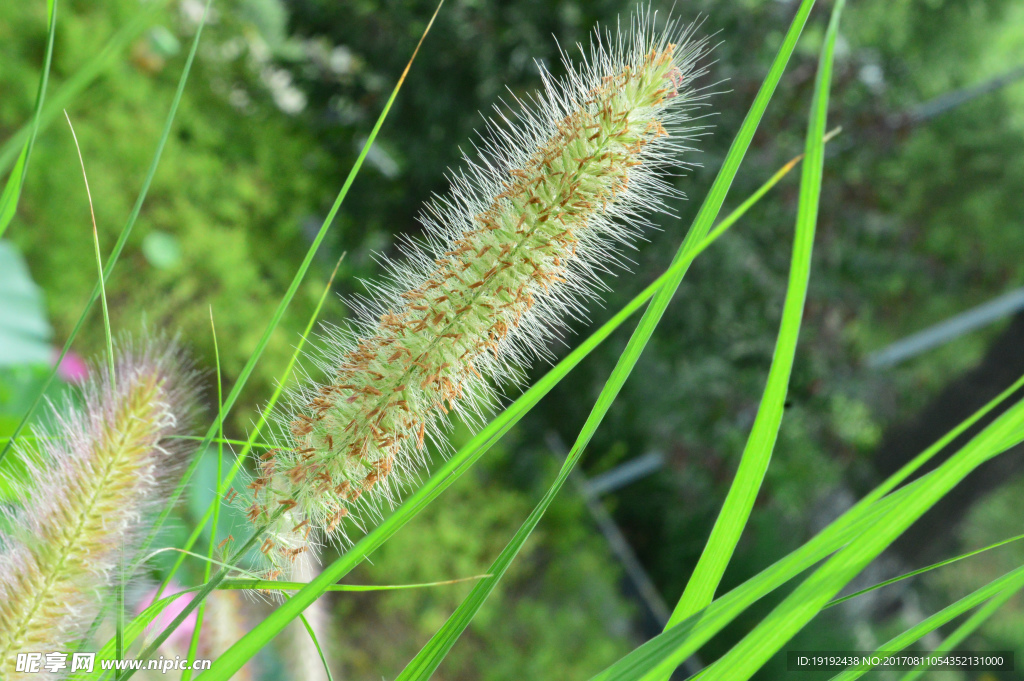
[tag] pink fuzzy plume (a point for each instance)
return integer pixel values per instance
(107, 460)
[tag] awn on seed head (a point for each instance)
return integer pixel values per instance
(103, 467)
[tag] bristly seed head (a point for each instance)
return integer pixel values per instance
(512, 251)
(101, 468)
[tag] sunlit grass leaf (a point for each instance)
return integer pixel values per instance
(12, 189)
(1000, 590)
(728, 527)
(194, 643)
(666, 651)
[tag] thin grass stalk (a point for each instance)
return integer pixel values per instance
(1010, 583)
(12, 189)
(194, 644)
(739, 502)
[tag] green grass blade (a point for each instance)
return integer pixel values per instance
(312, 636)
(81, 79)
(12, 189)
(201, 612)
(968, 627)
(1007, 586)
(712, 204)
(700, 589)
(431, 655)
(238, 443)
(133, 630)
(666, 651)
(811, 596)
(99, 259)
(921, 571)
(465, 457)
(121, 239)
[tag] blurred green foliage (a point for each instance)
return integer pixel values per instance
(223, 224)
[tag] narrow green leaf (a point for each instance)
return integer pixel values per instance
(700, 589)
(119, 586)
(137, 626)
(12, 189)
(312, 636)
(921, 571)
(666, 651)
(99, 259)
(197, 631)
(1007, 586)
(132, 631)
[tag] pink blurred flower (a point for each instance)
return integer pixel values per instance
(182, 636)
(72, 369)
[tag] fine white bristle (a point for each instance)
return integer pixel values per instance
(549, 202)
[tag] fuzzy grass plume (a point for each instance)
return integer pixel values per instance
(105, 461)
(556, 191)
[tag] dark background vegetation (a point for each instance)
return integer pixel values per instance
(922, 217)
